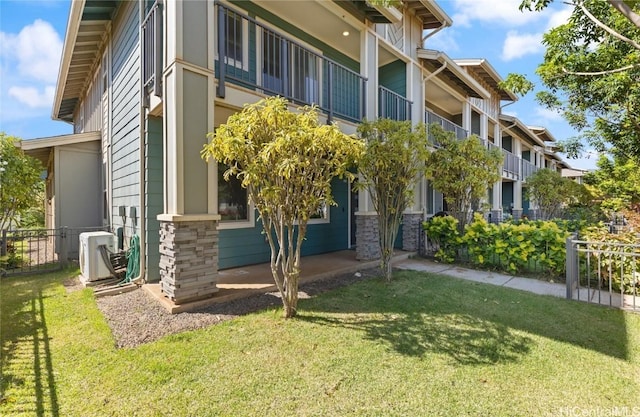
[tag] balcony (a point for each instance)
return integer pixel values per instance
(511, 164)
(152, 50)
(448, 126)
(254, 56)
(392, 105)
(528, 169)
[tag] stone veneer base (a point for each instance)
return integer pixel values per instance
(367, 237)
(188, 259)
(411, 228)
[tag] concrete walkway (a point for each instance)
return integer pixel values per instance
(590, 295)
(487, 277)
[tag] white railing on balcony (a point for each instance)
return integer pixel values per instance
(447, 125)
(511, 164)
(528, 169)
(274, 64)
(152, 50)
(392, 105)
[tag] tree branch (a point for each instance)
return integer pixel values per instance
(607, 72)
(607, 28)
(626, 11)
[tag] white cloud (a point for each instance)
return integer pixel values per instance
(504, 12)
(32, 97)
(443, 41)
(559, 17)
(36, 50)
(517, 45)
(547, 115)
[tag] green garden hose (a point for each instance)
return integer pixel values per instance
(133, 260)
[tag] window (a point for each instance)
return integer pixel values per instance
(272, 51)
(305, 75)
(321, 215)
(233, 201)
(289, 68)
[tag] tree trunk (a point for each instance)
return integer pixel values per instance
(386, 266)
(290, 300)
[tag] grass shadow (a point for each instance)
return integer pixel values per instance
(472, 323)
(27, 381)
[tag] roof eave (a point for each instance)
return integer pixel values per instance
(75, 16)
(433, 55)
(505, 94)
(518, 123)
(438, 12)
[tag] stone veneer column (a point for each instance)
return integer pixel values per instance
(496, 216)
(411, 227)
(517, 214)
(188, 258)
(367, 237)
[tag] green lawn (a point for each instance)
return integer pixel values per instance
(422, 345)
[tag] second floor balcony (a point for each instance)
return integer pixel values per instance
(253, 55)
(392, 105)
(447, 125)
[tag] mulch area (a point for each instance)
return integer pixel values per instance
(136, 318)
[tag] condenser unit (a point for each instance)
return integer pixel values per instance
(92, 265)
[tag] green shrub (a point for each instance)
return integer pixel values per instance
(443, 235)
(519, 246)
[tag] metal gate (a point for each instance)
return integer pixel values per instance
(24, 252)
(606, 273)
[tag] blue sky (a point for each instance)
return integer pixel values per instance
(32, 33)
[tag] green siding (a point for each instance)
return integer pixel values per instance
(125, 140)
(394, 77)
(507, 197)
(154, 196)
(248, 246)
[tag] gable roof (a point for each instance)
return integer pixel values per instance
(432, 60)
(431, 15)
(483, 69)
(515, 125)
(41, 147)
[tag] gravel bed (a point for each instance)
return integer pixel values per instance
(136, 318)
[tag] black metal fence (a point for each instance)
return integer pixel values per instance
(252, 55)
(33, 251)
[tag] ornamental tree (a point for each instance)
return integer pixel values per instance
(591, 69)
(616, 182)
(395, 155)
(462, 170)
(286, 161)
(20, 181)
(550, 191)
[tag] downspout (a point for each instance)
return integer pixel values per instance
(433, 32)
(140, 279)
(433, 74)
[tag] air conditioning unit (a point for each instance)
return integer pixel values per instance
(92, 266)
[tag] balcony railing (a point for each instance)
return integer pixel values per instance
(448, 126)
(152, 50)
(511, 164)
(528, 169)
(255, 56)
(392, 105)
